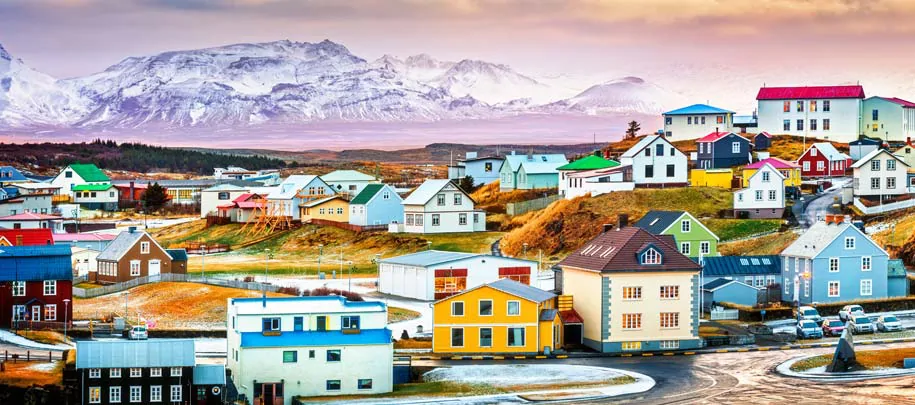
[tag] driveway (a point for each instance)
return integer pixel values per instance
(818, 205)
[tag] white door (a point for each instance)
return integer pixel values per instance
(154, 267)
(36, 313)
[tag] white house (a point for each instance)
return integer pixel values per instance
(764, 196)
(440, 206)
(31, 220)
(349, 181)
(880, 174)
(83, 260)
(434, 274)
(34, 203)
(825, 112)
(295, 190)
(596, 182)
(483, 169)
(376, 204)
(696, 121)
(889, 118)
(96, 196)
(530, 172)
(281, 348)
(655, 162)
(220, 194)
(78, 174)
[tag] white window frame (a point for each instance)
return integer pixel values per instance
(850, 243)
(867, 263)
(50, 312)
(890, 165)
(112, 398)
(735, 147)
(175, 394)
(135, 267)
(492, 308)
(144, 248)
(98, 398)
(672, 320)
(114, 373)
(18, 288)
(508, 308)
(669, 344)
(766, 176)
(870, 287)
(480, 337)
(684, 248)
(451, 337)
(669, 292)
(462, 308)
(136, 372)
(136, 389)
(630, 346)
(509, 334)
(837, 264)
(632, 321)
(95, 373)
(829, 289)
(632, 293)
(759, 195)
(875, 165)
(686, 226)
(155, 393)
(175, 372)
(891, 183)
(155, 372)
(50, 287)
(705, 247)
(772, 195)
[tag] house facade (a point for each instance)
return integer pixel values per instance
(597, 182)
(333, 208)
(825, 112)
(243, 208)
(721, 178)
(9, 175)
(719, 150)
(349, 182)
(692, 238)
(721, 290)
(26, 203)
(655, 162)
(219, 195)
(294, 191)
(78, 174)
(281, 348)
(764, 196)
(822, 159)
(433, 274)
(376, 204)
(135, 254)
(762, 141)
(483, 169)
(96, 196)
(833, 261)
(530, 172)
(503, 316)
(696, 121)
(860, 147)
(789, 170)
(634, 292)
(586, 164)
(890, 119)
(32, 221)
(880, 175)
(907, 153)
(440, 206)
(35, 282)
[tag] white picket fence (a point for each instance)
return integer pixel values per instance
(720, 314)
(184, 278)
(879, 209)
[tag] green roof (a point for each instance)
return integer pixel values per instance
(89, 172)
(589, 162)
(366, 194)
(92, 187)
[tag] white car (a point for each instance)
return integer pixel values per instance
(888, 323)
(850, 310)
(861, 324)
(809, 314)
(138, 333)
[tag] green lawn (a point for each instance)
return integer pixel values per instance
(463, 242)
(729, 229)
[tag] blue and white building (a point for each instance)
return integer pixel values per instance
(531, 171)
(285, 199)
(349, 182)
(483, 169)
(282, 348)
(696, 121)
(376, 204)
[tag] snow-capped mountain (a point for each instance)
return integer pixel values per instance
(30, 98)
(625, 95)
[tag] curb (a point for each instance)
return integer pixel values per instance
(785, 370)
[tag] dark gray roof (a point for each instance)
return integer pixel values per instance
(178, 255)
(517, 289)
(210, 374)
(202, 183)
(548, 314)
(135, 353)
(720, 266)
(656, 222)
(120, 245)
(722, 282)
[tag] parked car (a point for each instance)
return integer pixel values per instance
(138, 333)
(833, 328)
(808, 330)
(888, 323)
(809, 314)
(850, 310)
(861, 324)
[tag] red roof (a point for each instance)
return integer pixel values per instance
(29, 216)
(765, 134)
(135, 186)
(903, 103)
(570, 317)
(83, 237)
(775, 162)
(813, 92)
(30, 237)
(243, 197)
(712, 137)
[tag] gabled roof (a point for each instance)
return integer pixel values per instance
(771, 168)
(122, 244)
(346, 175)
(35, 186)
(10, 173)
(813, 92)
(422, 194)
(721, 266)
(874, 153)
(320, 201)
(547, 315)
(29, 216)
(642, 144)
(656, 221)
(819, 236)
(866, 140)
(210, 374)
(698, 109)
(896, 100)
(553, 160)
(366, 194)
(590, 162)
(895, 268)
(82, 237)
(291, 186)
(178, 255)
(618, 251)
(513, 288)
(89, 172)
(30, 237)
(225, 187)
(135, 353)
(763, 133)
(774, 162)
(720, 283)
(717, 136)
(570, 317)
(826, 149)
(35, 263)
(92, 187)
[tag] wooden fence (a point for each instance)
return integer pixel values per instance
(33, 355)
(218, 220)
(522, 207)
(196, 248)
(184, 278)
(350, 227)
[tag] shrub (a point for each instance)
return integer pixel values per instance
(324, 291)
(290, 291)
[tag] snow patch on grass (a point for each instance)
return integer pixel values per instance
(514, 375)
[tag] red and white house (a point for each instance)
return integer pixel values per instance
(824, 112)
(36, 285)
(823, 160)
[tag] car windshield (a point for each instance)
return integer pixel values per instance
(834, 324)
(855, 308)
(889, 319)
(862, 320)
(808, 324)
(139, 329)
(810, 312)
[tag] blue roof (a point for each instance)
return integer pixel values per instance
(657, 221)
(315, 338)
(209, 374)
(698, 109)
(135, 353)
(178, 255)
(723, 282)
(9, 173)
(720, 266)
(35, 263)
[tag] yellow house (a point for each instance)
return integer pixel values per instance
(711, 178)
(790, 170)
(504, 316)
(333, 208)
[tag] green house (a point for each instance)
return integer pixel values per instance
(692, 237)
(590, 162)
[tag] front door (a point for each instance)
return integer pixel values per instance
(154, 267)
(270, 394)
(36, 313)
(322, 323)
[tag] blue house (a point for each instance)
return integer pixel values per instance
(376, 204)
(834, 262)
(9, 174)
(756, 271)
(723, 290)
(762, 141)
(721, 150)
(483, 169)
(530, 172)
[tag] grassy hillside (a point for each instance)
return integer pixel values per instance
(493, 201)
(765, 245)
(728, 229)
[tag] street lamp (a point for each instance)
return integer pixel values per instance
(350, 270)
(267, 256)
(203, 261)
(66, 318)
(320, 254)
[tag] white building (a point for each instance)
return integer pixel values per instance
(433, 274)
(349, 181)
(83, 260)
(483, 169)
(655, 162)
(295, 190)
(96, 196)
(281, 348)
(440, 206)
(33, 221)
(825, 112)
(597, 182)
(217, 195)
(34, 203)
(696, 121)
(764, 196)
(889, 118)
(880, 174)
(78, 174)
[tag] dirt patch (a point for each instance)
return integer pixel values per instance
(26, 374)
(870, 359)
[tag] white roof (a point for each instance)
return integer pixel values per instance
(426, 191)
(303, 305)
(290, 187)
(817, 238)
(346, 175)
(771, 169)
(515, 161)
(829, 151)
(34, 186)
(873, 154)
(635, 149)
(226, 187)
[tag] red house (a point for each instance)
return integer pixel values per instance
(823, 160)
(26, 237)
(36, 285)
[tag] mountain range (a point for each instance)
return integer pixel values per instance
(287, 82)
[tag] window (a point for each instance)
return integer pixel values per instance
(867, 287)
(651, 256)
(632, 321)
(222, 195)
(865, 263)
(436, 220)
(349, 322)
(704, 247)
(95, 395)
(476, 218)
(685, 225)
(462, 219)
(176, 393)
(114, 373)
(703, 120)
(875, 115)
(786, 125)
(155, 393)
(849, 242)
(875, 183)
(311, 354)
(114, 395)
(514, 308)
(813, 106)
(485, 337)
(800, 125)
(515, 337)
(786, 106)
(457, 337)
(457, 308)
(875, 165)
(321, 211)
(135, 394)
(670, 319)
(826, 125)
(800, 106)
(766, 176)
(631, 346)
(669, 344)
(759, 195)
(333, 356)
(719, 119)
(806, 287)
(689, 120)
(890, 165)
(134, 267)
(825, 105)
(409, 220)
(806, 166)
(458, 199)
(813, 125)
(668, 120)
(485, 307)
(364, 384)
(671, 171)
(890, 182)
(440, 199)
(144, 248)
(684, 248)
(270, 324)
(50, 287)
(339, 211)
(95, 373)
(632, 293)
(735, 147)
(670, 292)
(332, 385)
(290, 356)
(649, 171)
(833, 264)
(175, 372)
(833, 289)
(155, 372)
(136, 372)
(659, 150)
(18, 288)
(68, 174)
(297, 323)
(772, 195)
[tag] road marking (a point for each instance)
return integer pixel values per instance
(539, 357)
(647, 354)
(867, 342)
(457, 358)
(520, 357)
(668, 354)
(562, 356)
(825, 344)
(721, 351)
(785, 347)
(688, 353)
(762, 349)
(742, 350)
(626, 355)
(476, 357)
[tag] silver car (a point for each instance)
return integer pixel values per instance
(861, 324)
(138, 333)
(888, 323)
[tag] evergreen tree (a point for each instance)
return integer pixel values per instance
(467, 184)
(154, 197)
(633, 130)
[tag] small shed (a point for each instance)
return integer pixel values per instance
(722, 178)
(762, 141)
(860, 147)
(733, 291)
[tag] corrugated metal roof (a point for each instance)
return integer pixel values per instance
(291, 186)
(547, 315)
(525, 291)
(135, 353)
(815, 239)
(774, 162)
(346, 175)
(89, 172)
(829, 151)
(657, 221)
(429, 258)
(897, 100)
(619, 250)
(366, 194)
(29, 216)
(515, 161)
(210, 374)
(895, 268)
(740, 265)
(92, 187)
(426, 191)
(813, 92)
(716, 283)
(315, 338)
(120, 245)
(589, 162)
(698, 109)
(744, 120)
(35, 263)
(30, 237)
(717, 136)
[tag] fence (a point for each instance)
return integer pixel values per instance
(723, 314)
(199, 247)
(33, 355)
(879, 209)
(522, 207)
(218, 220)
(185, 278)
(350, 227)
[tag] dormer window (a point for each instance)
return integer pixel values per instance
(651, 256)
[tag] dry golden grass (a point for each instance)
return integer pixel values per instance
(42, 336)
(871, 359)
(790, 148)
(490, 199)
(412, 344)
(765, 245)
(396, 314)
(29, 373)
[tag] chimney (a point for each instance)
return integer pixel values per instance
(622, 221)
(608, 227)
(131, 229)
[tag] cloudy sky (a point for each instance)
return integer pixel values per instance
(76, 37)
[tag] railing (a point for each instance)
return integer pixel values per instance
(167, 277)
(349, 227)
(879, 209)
(32, 355)
(196, 248)
(718, 315)
(60, 199)
(522, 207)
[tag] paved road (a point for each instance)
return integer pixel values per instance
(822, 204)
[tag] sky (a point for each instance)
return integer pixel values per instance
(66, 38)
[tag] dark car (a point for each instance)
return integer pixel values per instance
(833, 328)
